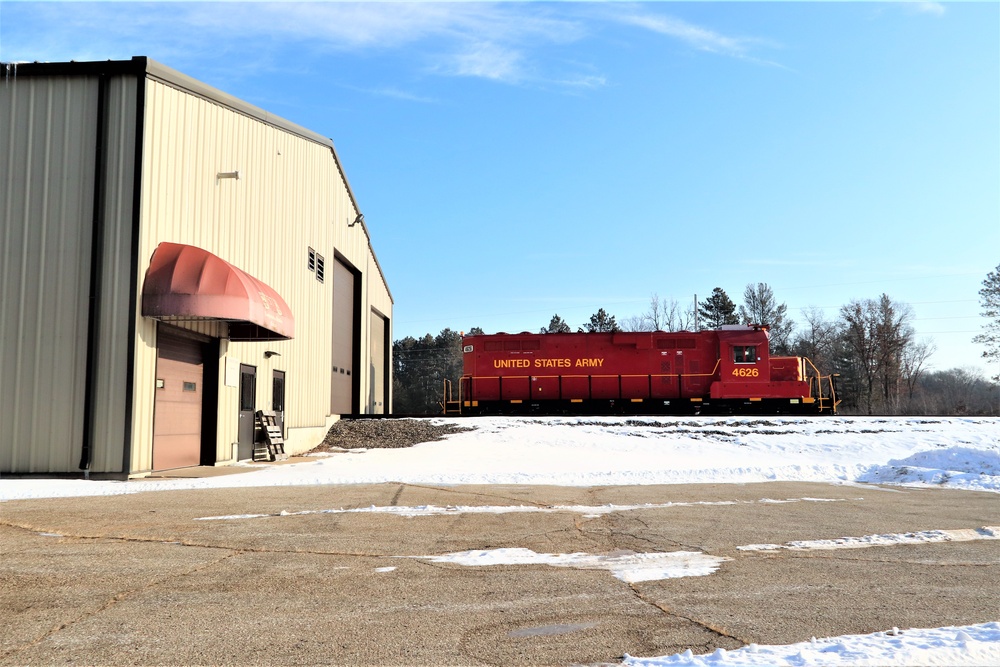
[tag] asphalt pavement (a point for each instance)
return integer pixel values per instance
(146, 579)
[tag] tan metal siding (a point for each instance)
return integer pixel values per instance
(290, 196)
(47, 148)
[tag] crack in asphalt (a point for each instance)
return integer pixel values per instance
(519, 501)
(112, 601)
(395, 498)
(616, 531)
(191, 543)
(848, 559)
(711, 627)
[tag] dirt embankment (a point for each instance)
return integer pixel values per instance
(384, 433)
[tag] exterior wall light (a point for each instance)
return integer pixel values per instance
(229, 174)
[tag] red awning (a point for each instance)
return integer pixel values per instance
(187, 283)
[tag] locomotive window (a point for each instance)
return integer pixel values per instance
(745, 354)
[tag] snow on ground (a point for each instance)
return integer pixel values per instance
(920, 537)
(587, 511)
(949, 452)
(628, 566)
(958, 453)
(965, 645)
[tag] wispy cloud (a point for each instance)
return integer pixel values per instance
(395, 93)
(511, 43)
(486, 60)
(935, 8)
(490, 41)
(700, 38)
(695, 36)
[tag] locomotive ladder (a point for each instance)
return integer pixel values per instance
(449, 405)
(827, 400)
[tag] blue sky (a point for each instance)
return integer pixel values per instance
(520, 159)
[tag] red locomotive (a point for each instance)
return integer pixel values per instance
(722, 371)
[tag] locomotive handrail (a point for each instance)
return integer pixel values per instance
(819, 378)
(448, 405)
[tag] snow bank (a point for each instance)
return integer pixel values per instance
(966, 645)
(950, 452)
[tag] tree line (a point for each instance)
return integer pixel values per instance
(871, 345)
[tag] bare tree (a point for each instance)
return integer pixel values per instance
(636, 323)
(760, 307)
(819, 339)
(876, 333)
(911, 365)
(651, 320)
(663, 315)
(959, 391)
(678, 318)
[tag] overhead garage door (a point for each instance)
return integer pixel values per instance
(342, 378)
(378, 399)
(180, 364)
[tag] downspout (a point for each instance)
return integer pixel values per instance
(96, 268)
(141, 65)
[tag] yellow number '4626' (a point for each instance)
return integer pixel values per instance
(745, 372)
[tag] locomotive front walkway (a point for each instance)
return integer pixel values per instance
(159, 578)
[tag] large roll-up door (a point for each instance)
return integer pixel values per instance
(342, 378)
(180, 363)
(377, 396)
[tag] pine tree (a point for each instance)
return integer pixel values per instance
(601, 321)
(556, 325)
(718, 310)
(420, 367)
(990, 298)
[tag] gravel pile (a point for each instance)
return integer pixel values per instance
(384, 433)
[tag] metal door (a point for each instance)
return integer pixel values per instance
(377, 394)
(342, 400)
(278, 398)
(248, 402)
(178, 404)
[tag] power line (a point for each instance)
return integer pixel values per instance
(882, 280)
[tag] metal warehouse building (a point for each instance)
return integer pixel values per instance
(173, 259)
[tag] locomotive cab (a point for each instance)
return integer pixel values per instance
(744, 362)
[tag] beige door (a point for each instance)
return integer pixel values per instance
(377, 399)
(180, 364)
(342, 399)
